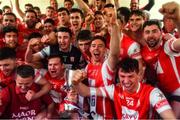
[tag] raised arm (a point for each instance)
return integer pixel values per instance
(149, 5)
(83, 6)
(31, 57)
(11, 5)
(20, 12)
(116, 36)
(172, 10)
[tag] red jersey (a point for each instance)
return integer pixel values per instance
(164, 60)
(98, 76)
(168, 68)
(56, 91)
(129, 48)
(138, 105)
(6, 80)
(18, 107)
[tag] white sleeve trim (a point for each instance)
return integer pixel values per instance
(134, 51)
(169, 48)
(159, 101)
(45, 52)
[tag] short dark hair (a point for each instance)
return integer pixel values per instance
(109, 5)
(138, 13)
(152, 22)
(84, 35)
(123, 11)
(34, 35)
(31, 11)
(1, 12)
(29, 4)
(100, 38)
(7, 53)
(36, 8)
(55, 56)
(7, 29)
(11, 14)
(65, 29)
(129, 65)
(49, 7)
(25, 71)
(63, 9)
(72, 2)
(6, 7)
(76, 10)
(49, 20)
(98, 13)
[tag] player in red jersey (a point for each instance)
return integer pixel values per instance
(56, 77)
(7, 73)
(16, 106)
(132, 99)
(100, 71)
(164, 55)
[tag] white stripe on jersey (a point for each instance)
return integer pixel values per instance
(134, 51)
(105, 74)
(110, 90)
(158, 101)
(175, 68)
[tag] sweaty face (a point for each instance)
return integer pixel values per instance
(64, 41)
(23, 84)
(97, 50)
(9, 20)
(136, 22)
(7, 66)
(55, 67)
(152, 36)
(129, 81)
(11, 39)
(76, 21)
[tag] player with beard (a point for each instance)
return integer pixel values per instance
(164, 55)
(30, 22)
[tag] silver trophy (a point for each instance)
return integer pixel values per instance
(69, 76)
